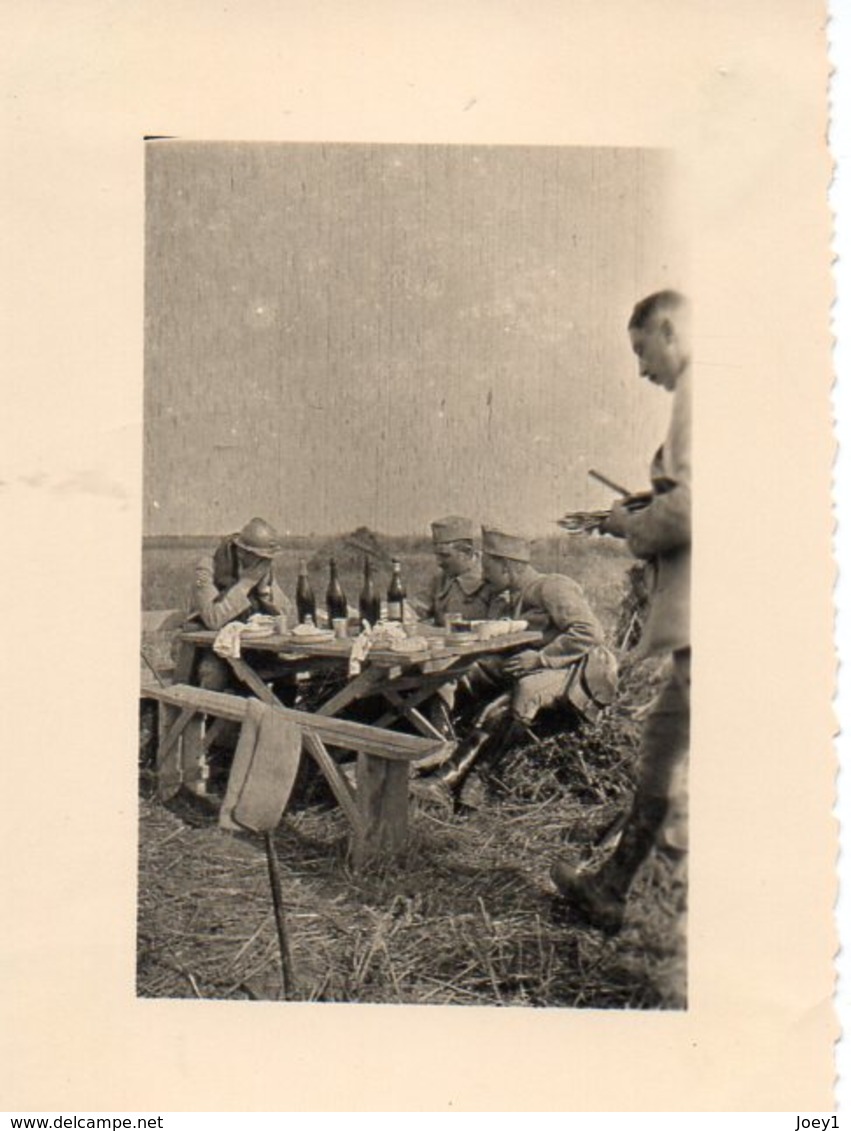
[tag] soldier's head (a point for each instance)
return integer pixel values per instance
(255, 543)
(452, 540)
(659, 333)
(505, 558)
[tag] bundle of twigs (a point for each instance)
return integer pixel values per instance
(583, 522)
(591, 522)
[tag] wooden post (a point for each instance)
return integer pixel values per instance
(172, 722)
(382, 795)
(196, 769)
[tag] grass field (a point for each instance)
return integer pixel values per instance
(466, 917)
(599, 565)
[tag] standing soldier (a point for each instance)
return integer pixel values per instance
(661, 533)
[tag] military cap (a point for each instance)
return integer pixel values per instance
(258, 537)
(503, 545)
(452, 529)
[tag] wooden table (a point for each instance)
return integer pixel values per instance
(378, 809)
(404, 680)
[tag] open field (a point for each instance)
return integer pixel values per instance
(599, 565)
(466, 917)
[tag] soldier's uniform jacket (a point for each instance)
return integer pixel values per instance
(661, 532)
(577, 664)
(219, 597)
(467, 594)
(555, 605)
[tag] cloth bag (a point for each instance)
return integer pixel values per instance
(264, 770)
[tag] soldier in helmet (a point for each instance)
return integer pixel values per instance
(231, 584)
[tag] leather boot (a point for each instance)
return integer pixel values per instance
(598, 899)
(438, 787)
(453, 772)
(499, 730)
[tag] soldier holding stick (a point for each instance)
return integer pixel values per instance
(658, 530)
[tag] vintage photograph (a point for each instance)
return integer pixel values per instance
(415, 639)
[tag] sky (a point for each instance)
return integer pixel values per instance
(345, 335)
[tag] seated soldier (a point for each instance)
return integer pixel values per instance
(234, 582)
(571, 669)
(458, 588)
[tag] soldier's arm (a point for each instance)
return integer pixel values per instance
(569, 611)
(423, 602)
(273, 599)
(663, 525)
(218, 609)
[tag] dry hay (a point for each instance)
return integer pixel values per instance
(464, 919)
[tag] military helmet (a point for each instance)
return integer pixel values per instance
(258, 537)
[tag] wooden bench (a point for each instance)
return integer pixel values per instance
(377, 809)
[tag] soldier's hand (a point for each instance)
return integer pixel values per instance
(256, 573)
(522, 663)
(615, 524)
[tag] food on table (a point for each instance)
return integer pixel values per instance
(260, 624)
(410, 644)
(311, 632)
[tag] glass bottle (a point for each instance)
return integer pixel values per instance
(305, 602)
(396, 595)
(335, 598)
(369, 604)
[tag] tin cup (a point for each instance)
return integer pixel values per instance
(341, 627)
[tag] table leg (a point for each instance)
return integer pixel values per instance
(408, 708)
(360, 687)
(383, 805)
(314, 745)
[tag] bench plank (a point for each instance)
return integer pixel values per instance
(337, 732)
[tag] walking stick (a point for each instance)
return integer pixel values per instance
(287, 976)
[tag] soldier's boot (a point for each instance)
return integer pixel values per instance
(505, 731)
(438, 787)
(487, 743)
(438, 714)
(598, 899)
(474, 696)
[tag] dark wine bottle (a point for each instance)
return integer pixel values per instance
(369, 604)
(396, 595)
(335, 598)
(305, 602)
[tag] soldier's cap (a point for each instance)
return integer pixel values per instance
(258, 537)
(453, 528)
(503, 545)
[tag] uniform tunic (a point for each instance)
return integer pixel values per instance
(219, 596)
(577, 668)
(467, 594)
(661, 532)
